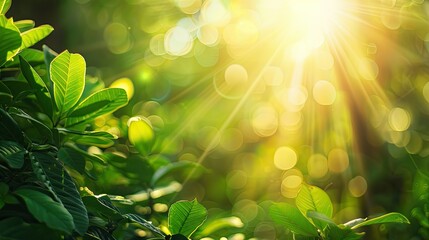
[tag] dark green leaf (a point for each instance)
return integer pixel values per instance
(67, 71)
(49, 56)
(102, 206)
(65, 189)
(291, 218)
(178, 237)
(18, 88)
(34, 35)
(25, 25)
(38, 85)
(4, 189)
(97, 233)
(12, 153)
(46, 210)
(4, 6)
(10, 39)
(300, 237)
(44, 131)
(97, 104)
(5, 94)
(386, 218)
(15, 228)
(72, 159)
(9, 128)
(185, 217)
(340, 232)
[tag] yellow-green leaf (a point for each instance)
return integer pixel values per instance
(185, 217)
(25, 25)
(291, 218)
(10, 39)
(68, 74)
(141, 134)
(102, 102)
(34, 35)
(312, 198)
(4, 6)
(393, 217)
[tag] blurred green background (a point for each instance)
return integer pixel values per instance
(265, 97)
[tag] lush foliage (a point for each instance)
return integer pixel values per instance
(312, 217)
(46, 105)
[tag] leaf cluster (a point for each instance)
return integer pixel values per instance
(311, 218)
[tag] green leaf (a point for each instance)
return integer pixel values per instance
(97, 104)
(20, 116)
(10, 39)
(101, 205)
(9, 128)
(96, 233)
(12, 153)
(38, 85)
(15, 228)
(89, 133)
(72, 159)
(49, 56)
(178, 237)
(24, 25)
(393, 217)
(94, 141)
(4, 6)
(291, 218)
(4, 189)
(311, 198)
(46, 210)
(19, 89)
(5, 94)
(64, 188)
(341, 232)
(185, 217)
(67, 71)
(143, 222)
(32, 56)
(90, 138)
(34, 35)
(320, 216)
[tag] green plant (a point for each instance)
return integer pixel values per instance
(43, 118)
(47, 105)
(311, 218)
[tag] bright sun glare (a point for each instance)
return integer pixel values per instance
(291, 76)
(315, 14)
